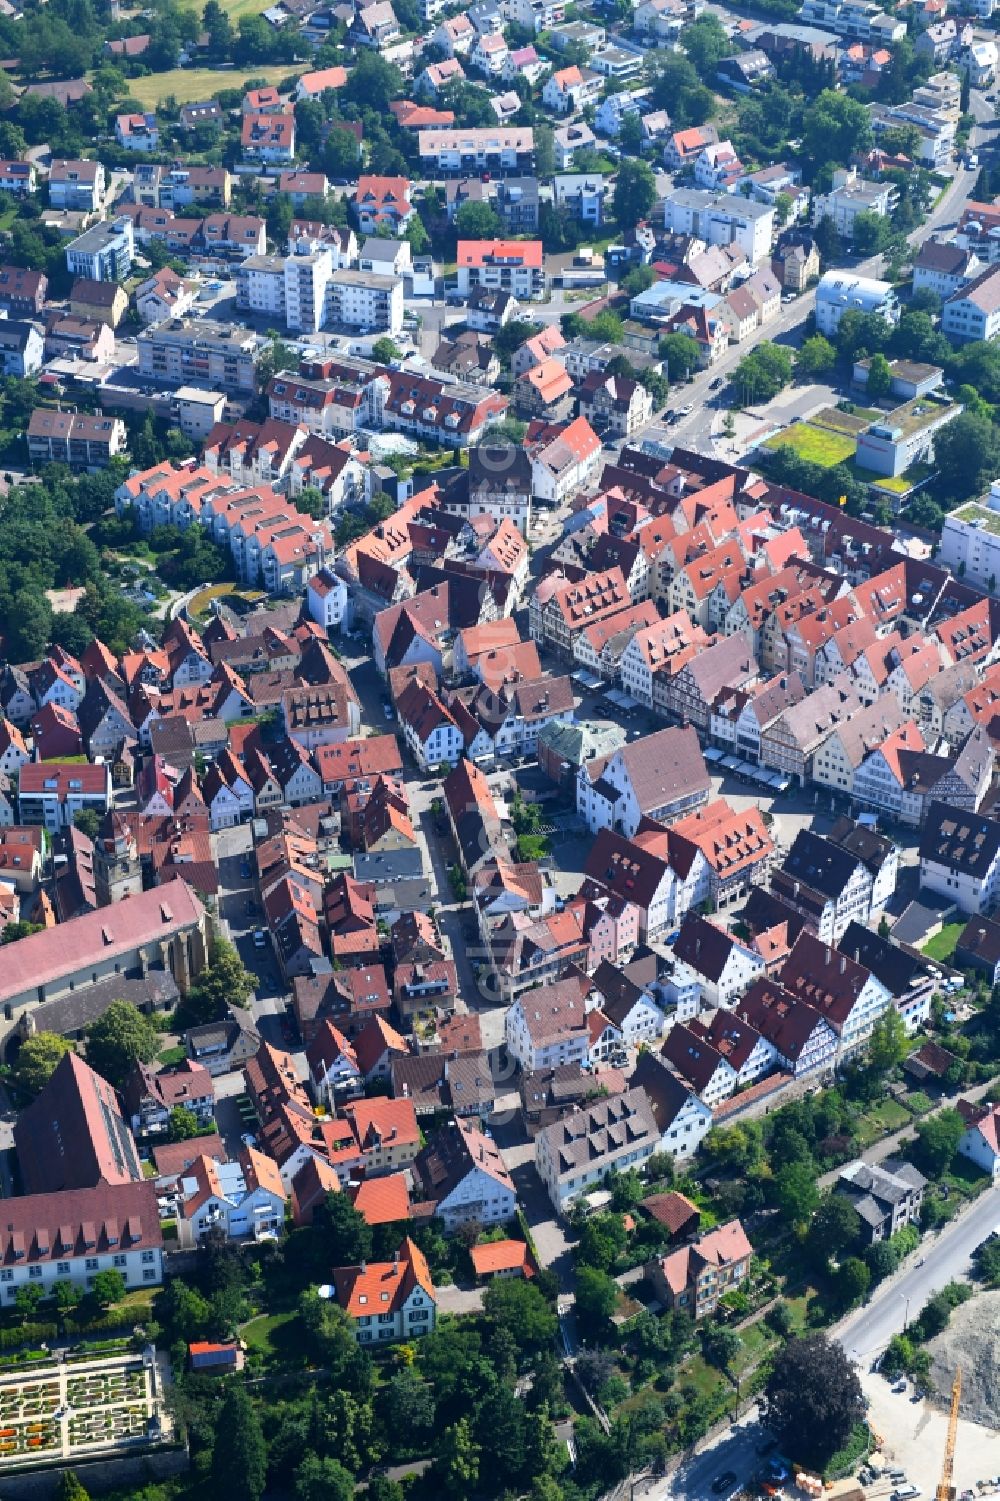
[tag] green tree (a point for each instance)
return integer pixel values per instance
(26, 1300)
(779, 1318)
(888, 1045)
(680, 354)
(879, 381)
(706, 43)
(520, 1308)
(813, 1398)
(638, 280)
(762, 373)
(816, 358)
(456, 1466)
(834, 1228)
(967, 455)
(119, 1038)
(37, 1060)
(411, 1402)
(340, 153)
(634, 194)
(795, 1191)
(721, 1345)
(224, 983)
(183, 1124)
(602, 1240)
(870, 233)
(853, 1281)
(345, 1233)
(239, 1454)
(323, 1480)
(937, 1141)
(109, 1287)
(88, 821)
(835, 128)
(477, 221)
(183, 1311)
(70, 1488)
(29, 626)
(13, 932)
(607, 327)
(596, 1296)
(384, 350)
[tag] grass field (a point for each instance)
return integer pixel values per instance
(942, 945)
(816, 445)
(187, 84)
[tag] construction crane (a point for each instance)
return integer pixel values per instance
(946, 1487)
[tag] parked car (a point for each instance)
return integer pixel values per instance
(723, 1483)
(259, 938)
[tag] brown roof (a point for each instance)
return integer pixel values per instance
(73, 1135)
(82, 1222)
(672, 1210)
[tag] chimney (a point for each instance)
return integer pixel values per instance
(395, 1263)
(843, 964)
(364, 1267)
(829, 955)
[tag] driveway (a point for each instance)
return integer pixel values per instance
(551, 1241)
(452, 1299)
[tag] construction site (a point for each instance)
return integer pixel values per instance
(933, 1442)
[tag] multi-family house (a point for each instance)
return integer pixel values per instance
(980, 1141)
(388, 1300)
(824, 882)
(237, 1201)
(611, 1135)
(661, 777)
(547, 1026)
(845, 992)
(887, 1195)
(463, 1173)
(696, 1277)
(721, 965)
(802, 1038)
(699, 1064)
(960, 857)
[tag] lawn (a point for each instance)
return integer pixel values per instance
(919, 1103)
(816, 445)
(187, 84)
(757, 1340)
(273, 1336)
(881, 1119)
(942, 945)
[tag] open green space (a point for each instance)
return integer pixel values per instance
(942, 945)
(888, 1115)
(273, 1335)
(817, 445)
(187, 84)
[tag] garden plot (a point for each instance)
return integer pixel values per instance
(81, 1408)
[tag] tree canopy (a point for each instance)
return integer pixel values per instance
(119, 1038)
(38, 1059)
(813, 1398)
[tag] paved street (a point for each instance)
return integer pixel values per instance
(941, 1259)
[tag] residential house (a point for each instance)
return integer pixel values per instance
(462, 1172)
(575, 1154)
(696, 1277)
(887, 1196)
(388, 1300)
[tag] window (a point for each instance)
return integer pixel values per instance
(92, 1263)
(149, 1274)
(148, 1257)
(34, 1271)
(121, 1261)
(6, 1275)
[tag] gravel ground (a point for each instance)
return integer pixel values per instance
(971, 1340)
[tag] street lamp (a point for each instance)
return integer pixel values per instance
(906, 1309)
